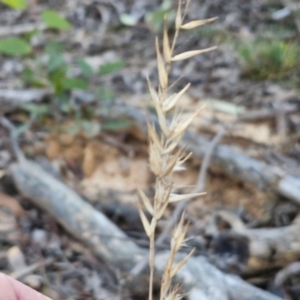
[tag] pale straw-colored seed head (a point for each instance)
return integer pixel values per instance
(164, 156)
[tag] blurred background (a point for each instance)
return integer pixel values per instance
(73, 95)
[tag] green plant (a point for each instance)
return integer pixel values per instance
(20, 46)
(15, 4)
(54, 75)
(268, 59)
(14, 46)
(165, 157)
(53, 20)
(155, 18)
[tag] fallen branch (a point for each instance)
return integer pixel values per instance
(264, 248)
(20, 29)
(272, 247)
(86, 224)
(11, 99)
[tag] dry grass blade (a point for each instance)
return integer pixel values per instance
(166, 44)
(197, 23)
(162, 72)
(189, 54)
(176, 198)
(178, 20)
(159, 111)
(174, 295)
(146, 202)
(145, 221)
(181, 264)
(171, 101)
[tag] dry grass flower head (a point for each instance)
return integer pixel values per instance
(164, 155)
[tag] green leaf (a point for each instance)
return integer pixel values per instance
(31, 78)
(55, 62)
(156, 18)
(37, 109)
(112, 67)
(16, 4)
(53, 20)
(75, 83)
(14, 47)
(114, 125)
(85, 68)
(57, 78)
(128, 20)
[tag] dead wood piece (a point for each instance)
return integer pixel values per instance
(272, 247)
(262, 249)
(268, 113)
(109, 243)
(239, 289)
(20, 29)
(10, 99)
(289, 271)
(75, 215)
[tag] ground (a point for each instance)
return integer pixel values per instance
(72, 127)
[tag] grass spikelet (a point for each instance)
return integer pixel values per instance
(164, 157)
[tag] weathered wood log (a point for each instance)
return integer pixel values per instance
(76, 215)
(11, 99)
(272, 247)
(111, 245)
(264, 248)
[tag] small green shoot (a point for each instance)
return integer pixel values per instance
(115, 125)
(268, 59)
(16, 4)
(14, 46)
(112, 67)
(36, 110)
(85, 68)
(155, 19)
(74, 83)
(54, 21)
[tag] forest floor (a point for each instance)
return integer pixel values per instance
(67, 104)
